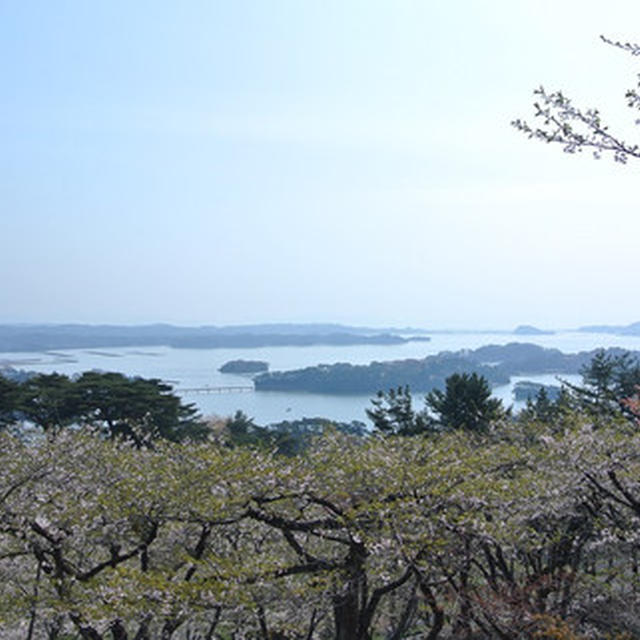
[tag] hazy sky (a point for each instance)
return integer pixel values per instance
(210, 162)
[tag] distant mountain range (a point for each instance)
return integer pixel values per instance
(46, 337)
(632, 329)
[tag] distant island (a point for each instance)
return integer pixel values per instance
(27, 337)
(244, 366)
(632, 329)
(528, 330)
(497, 363)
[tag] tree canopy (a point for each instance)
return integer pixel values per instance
(393, 414)
(528, 530)
(512, 535)
(119, 406)
(466, 403)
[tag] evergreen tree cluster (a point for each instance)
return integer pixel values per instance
(138, 409)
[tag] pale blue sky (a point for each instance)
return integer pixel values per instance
(206, 162)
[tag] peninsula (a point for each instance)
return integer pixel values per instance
(497, 363)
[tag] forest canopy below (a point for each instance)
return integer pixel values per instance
(523, 528)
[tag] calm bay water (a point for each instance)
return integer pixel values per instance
(192, 368)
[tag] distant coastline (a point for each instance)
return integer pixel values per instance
(47, 338)
(632, 329)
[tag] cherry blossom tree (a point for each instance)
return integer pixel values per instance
(558, 120)
(504, 534)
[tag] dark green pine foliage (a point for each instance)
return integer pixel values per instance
(243, 431)
(545, 410)
(393, 414)
(49, 401)
(466, 403)
(607, 382)
(8, 401)
(136, 408)
(542, 407)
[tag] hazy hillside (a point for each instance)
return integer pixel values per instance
(27, 337)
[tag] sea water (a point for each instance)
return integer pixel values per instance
(190, 369)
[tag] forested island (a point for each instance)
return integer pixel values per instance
(244, 366)
(529, 330)
(497, 363)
